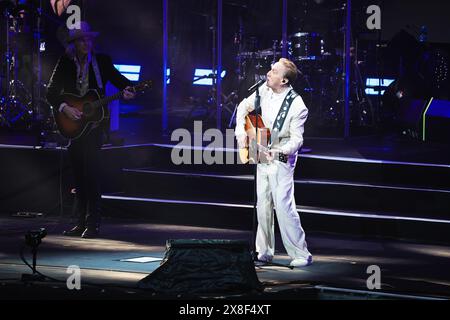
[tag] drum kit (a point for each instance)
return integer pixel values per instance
(320, 81)
(317, 77)
(20, 96)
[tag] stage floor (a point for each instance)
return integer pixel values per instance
(412, 269)
(340, 260)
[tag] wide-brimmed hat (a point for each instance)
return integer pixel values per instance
(66, 36)
(83, 31)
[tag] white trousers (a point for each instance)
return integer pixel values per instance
(275, 190)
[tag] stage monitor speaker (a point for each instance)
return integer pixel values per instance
(194, 267)
(410, 117)
(436, 121)
(427, 120)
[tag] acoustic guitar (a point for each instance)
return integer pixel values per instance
(92, 108)
(255, 142)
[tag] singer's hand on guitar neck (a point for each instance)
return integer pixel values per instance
(128, 94)
(242, 141)
(71, 112)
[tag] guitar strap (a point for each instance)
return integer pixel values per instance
(282, 114)
(98, 78)
(97, 73)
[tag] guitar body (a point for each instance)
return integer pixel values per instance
(248, 154)
(92, 114)
(93, 109)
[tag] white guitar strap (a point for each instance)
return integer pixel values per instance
(281, 117)
(98, 78)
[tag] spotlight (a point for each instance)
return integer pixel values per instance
(33, 239)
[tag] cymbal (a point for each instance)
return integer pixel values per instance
(258, 54)
(246, 54)
(234, 4)
(267, 52)
(6, 4)
(338, 9)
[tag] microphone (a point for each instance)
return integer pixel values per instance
(256, 85)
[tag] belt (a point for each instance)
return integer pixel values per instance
(282, 158)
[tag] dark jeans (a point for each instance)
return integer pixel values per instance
(84, 155)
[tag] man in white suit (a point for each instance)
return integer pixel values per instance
(283, 111)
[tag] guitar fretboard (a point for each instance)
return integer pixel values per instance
(105, 101)
(118, 95)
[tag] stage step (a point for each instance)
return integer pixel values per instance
(407, 201)
(311, 167)
(206, 213)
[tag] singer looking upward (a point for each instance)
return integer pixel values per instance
(284, 112)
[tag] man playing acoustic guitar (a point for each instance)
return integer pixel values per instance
(282, 110)
(77, 71)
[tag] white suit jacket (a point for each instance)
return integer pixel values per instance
(290, 138)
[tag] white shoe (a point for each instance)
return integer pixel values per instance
(301, 262)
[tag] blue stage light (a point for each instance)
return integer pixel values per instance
(201, 77)
(131, 72)
(373, 85)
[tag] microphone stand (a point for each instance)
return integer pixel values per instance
(255, 176)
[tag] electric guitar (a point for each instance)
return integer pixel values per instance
(92, 108)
